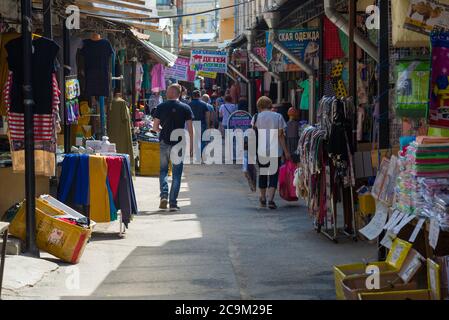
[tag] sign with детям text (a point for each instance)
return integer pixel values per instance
(210, 61)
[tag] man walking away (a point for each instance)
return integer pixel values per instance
(212, 114)
(200, 113)
(171, 115)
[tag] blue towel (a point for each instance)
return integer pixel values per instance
(82, 181)
(69, 168)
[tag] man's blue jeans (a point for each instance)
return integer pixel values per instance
(165, 150)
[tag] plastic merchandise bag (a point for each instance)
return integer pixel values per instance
(287, 188)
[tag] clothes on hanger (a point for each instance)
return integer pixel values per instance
(158, 78)
(46, 95)
(96, 54)
(119, 124)
(4, 70)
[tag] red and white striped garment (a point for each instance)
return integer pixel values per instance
(44, 124)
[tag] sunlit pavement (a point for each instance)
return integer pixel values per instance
(219, 246)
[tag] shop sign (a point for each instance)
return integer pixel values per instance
(240, 120)
(207, 74)
(211, 61)
(261, 52)
(424, 16)
(303, 43)
(180, 71)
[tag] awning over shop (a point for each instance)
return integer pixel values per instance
(161, 55)
(131, 12)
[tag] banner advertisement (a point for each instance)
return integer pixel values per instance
(207, 74)
(240, 120)
(303, 43)
(211, 61)
(180, 71)
(424, 16)
(261, 52)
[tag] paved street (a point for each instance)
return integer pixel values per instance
(220, 246)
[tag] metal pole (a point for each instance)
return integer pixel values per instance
(322, 70)
(353, 65)
(384, 75)
(28, 103)
(48, 31)
(383, 90)
(66, 58)
(134, 92)
(352, 49)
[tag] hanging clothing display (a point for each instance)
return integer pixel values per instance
(4, 70)
(119, 124)
(96, 54)
(304, 104)
(139, 76)
(326, 151)
(46, 95)
(332, 46)
(103, 183)
(146, 82)
(158, 78)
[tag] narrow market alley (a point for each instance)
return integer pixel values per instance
(219, 246)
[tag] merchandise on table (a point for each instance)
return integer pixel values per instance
(104, 183)
(422, 186)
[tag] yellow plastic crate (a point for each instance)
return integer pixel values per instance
(367, 204)
(59, 238)
(342, 272)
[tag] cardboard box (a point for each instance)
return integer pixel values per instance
(342, 272)
(59, 238)
(431, 293)
(354, 285)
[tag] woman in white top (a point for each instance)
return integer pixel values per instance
(271, 128)
(226, 110)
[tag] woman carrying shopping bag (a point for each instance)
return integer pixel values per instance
(271, 145)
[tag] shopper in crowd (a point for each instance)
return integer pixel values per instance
(243, 104)
(234, 91)
(213, 113)
(265, 121)
(220, 97)
(184, 96)
(153, 102)
(201, 113)
(171, 115)
(226, 110)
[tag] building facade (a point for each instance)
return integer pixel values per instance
(200, 29)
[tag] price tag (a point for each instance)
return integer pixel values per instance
(433, 275)
(375, 227)
(392, 218)
(405, 220)
(411, 266)
(387, 240)
(394, 223)
(398, 252)
(434, 232)
(416, 230)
